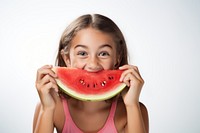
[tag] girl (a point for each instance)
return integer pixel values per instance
(94, 43)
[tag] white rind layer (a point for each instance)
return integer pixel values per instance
(98, 97)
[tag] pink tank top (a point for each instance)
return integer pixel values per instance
(70, 126)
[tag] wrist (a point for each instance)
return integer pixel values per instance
(129, 102)
(132, 104)
(47, 109)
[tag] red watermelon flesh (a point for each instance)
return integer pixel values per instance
(92, 86)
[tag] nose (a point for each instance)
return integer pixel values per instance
(93, 64)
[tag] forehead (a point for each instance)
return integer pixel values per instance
(91, 36)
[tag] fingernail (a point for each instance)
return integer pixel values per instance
(56, 90)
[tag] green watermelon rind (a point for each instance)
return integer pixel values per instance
(90, 97)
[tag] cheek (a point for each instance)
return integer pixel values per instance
(77, 63)
(109, 64)
(74, 62)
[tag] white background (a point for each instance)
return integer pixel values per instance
(163, 38)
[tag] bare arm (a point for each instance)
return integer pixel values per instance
(47, 88)
(137, 116)
(43, 120)
(137, 119)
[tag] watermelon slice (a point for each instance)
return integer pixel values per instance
(89, 86)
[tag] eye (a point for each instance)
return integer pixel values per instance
(82, 53)
(104, 54)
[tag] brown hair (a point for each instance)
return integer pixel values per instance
(99, 22)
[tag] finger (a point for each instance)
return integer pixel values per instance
(127, 82)
(46, 79)
(47, 87)
(43, 71)
(138, 73)
(129, 67)
(53, 86)
(136, 69)
(128, 78)
(130, 71)
(125, 67)
(47, 66)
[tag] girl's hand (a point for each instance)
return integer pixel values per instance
(46, 84)
(132, 78)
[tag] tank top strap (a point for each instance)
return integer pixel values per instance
(112, 110)
(65, 106)
(109, 126)
(69, 125)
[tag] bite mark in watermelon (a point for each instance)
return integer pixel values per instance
(90, 86)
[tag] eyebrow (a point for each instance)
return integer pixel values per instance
(106, 45)
(79, 45)
(102, 46)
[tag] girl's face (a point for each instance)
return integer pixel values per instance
(92, 50)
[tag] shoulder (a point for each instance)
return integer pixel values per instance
(143, 109)
(145, 116)
(121, 115)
